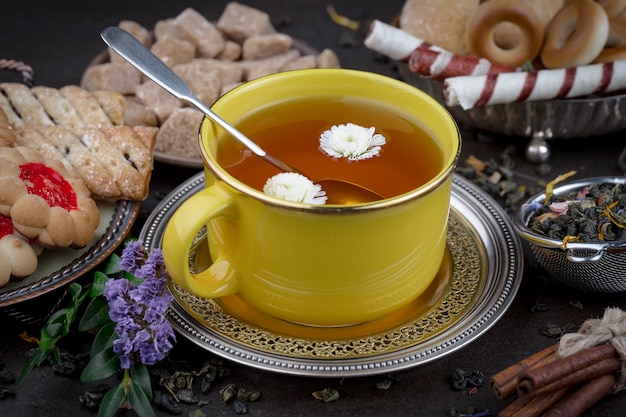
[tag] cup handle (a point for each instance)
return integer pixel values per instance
(220, 278)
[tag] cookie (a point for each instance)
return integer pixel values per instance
(45, 204)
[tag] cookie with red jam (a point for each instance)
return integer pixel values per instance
(44, 203)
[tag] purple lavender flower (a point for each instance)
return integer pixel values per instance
(133, 257)
(139, 311)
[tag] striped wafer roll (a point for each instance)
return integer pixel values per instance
(439, 65)
(425, 59)
(482, 90)
(393, 42)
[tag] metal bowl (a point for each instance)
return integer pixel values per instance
(538, 120)
(598, 267)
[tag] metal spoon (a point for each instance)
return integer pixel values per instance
(145, 61)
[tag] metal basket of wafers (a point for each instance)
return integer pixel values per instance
(538, 120)
(593, 266)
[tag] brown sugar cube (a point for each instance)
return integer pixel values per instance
(328, 59)
(138, 114)
(173, 51)
(261, 67)
(263, 46)
(164, 28)
(120, 77)
(229, 72)
(227, 87)
(179, 134)
(195, 28)
(231, 52)
(304, 62)
(156, 98)
(204, 84)
(239, 22)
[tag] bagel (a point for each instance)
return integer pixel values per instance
(507, 34)
(613, 7)
(615, 47)
(480, 32)
(576, 35)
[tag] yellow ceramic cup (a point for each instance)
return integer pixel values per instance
(321, 265)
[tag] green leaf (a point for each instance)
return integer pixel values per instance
(139, 401)
(112, 401)
(99, 281)
(140, 374)
(102, 365)
(36, 359)
(75, 290)
(113, 266)
(133, 279)
(53, 329)
(96, 315)
(104, 339)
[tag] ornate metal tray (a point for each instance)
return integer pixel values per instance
(476, 283)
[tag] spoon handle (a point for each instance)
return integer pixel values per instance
(145, 61)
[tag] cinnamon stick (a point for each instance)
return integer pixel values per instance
(538, 377)
(593, 371)
(504, 383)
(584, 397)
(533, 406)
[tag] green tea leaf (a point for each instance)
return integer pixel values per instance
(102, 365)
(112, 401)
(139, 401)
(140, 374)
(96, 315)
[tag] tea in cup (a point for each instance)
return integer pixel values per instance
(320, 264)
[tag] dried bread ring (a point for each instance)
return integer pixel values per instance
(615, 48)
(576, 35)
(613, 7)
(481, 29)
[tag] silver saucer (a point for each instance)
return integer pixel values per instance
(486, 264)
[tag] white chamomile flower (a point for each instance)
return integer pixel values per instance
(294, 187)
(351, 141)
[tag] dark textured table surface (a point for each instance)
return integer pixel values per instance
(59, 39)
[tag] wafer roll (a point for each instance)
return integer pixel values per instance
(482, 90)
(393, 42)
(439, 65)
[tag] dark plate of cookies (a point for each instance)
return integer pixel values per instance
(59, 267)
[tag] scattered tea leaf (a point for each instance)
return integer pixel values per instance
(240, 406)
(538, 307)
(228, 393)
(384, 385)
(460, 379)
(326, 395)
